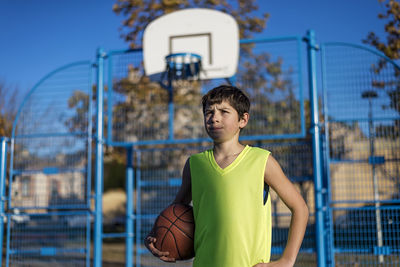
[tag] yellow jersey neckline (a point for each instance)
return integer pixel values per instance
(231, 166)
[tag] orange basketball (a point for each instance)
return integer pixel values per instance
(174, 231)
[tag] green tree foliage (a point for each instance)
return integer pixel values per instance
(139, 13)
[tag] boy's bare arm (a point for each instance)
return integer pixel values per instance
(184, 194)
(278, 181)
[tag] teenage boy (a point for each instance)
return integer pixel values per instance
(226, 185)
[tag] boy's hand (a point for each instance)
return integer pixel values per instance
(149, 242)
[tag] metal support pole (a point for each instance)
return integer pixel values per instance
(98, 213)
(171, 109)
(231, 80)
(3, 166)
(129, 208)
(371, 131)
(316, 144)
(138, 216)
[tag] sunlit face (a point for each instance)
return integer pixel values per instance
(222, 121)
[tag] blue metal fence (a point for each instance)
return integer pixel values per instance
(277, 97)
(49, 175)
(345, 163)
(270, 71)
(362, 114)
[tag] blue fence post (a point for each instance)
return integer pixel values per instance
(129, 208)
(171, 109)
(138, 216)
(327, 172)
(316, 144)
(98, 223)
(3, 166)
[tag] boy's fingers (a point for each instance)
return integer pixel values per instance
(157, 252)
(163, 255)
(150, 239)
(167, 259)
(150, 245)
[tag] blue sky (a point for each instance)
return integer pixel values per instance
(38, 36)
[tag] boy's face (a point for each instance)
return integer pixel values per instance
(222, 121)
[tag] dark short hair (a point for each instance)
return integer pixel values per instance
(235, 97)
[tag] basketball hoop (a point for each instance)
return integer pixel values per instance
(183, 66)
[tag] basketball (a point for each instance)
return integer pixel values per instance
(174, 231)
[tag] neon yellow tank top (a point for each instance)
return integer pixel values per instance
(232, 223)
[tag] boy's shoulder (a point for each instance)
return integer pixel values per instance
(255, 148)
(258, 151)
(201, 153)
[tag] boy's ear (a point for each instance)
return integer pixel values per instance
(244, 120)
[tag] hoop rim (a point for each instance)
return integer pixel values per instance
(183, 66)
(175, 55)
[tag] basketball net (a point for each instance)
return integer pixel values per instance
(183, 66)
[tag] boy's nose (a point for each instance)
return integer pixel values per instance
(215, 117)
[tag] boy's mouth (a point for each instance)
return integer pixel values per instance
(214, 129)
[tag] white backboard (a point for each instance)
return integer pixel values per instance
(212, 34)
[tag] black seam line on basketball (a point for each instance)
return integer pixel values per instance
(187, 210)
(173, 224)
(168, 230)
(165, 235)
(176, 246)
(177, 218)
(162, 240)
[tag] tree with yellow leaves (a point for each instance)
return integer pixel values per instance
(8, 108)
(391, 48)
(139, 13)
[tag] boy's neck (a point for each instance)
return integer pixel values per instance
(226, 149)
